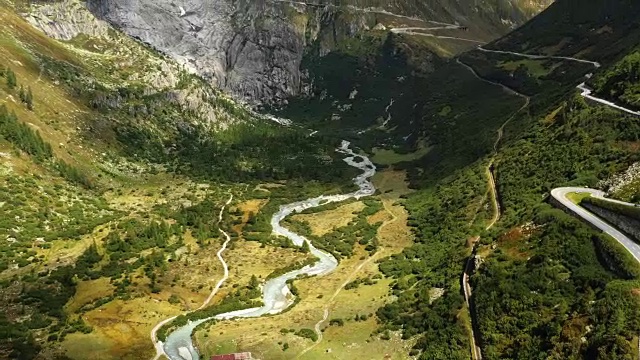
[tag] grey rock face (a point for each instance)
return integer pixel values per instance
(254, 48)
(65, 20)
(625, 223)
(249, 48)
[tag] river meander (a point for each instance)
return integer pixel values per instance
(275, 292)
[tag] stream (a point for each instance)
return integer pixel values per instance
(275, 292)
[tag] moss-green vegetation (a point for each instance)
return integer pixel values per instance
(241, 298)
(621, 83)
(617, 257)
(340, 242)
(307, 333)
(523, 306)
(630, 211)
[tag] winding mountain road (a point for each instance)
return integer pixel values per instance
(540, 57)
(586, 92)
(560, 194)
(372, 10)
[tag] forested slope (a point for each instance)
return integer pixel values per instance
(545, 287)
(621, 82)
(104, 143)
(113, 162)
(600, 30)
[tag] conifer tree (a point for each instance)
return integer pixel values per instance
(12, 82)
(29, 98)
(254, 283)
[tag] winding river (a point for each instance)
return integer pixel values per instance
(275, 292)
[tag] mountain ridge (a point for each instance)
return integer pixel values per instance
(254, 49)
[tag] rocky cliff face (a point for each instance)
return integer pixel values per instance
(247, 48)
(254, 49)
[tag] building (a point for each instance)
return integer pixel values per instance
(234, 356)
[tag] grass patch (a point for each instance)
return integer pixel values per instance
(535, 68)
(630, 211)
(576, 197)
(389, 157)
(121, 330)
(324, 222)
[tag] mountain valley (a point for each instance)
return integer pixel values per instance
(151, 150)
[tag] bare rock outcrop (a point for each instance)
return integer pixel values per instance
(252, 49)
(64, 20)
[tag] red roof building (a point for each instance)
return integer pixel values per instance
(235, 356)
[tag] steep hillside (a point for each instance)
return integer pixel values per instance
(392, 92)
(117, 160)
(602, 31)
(255, 49)
(544, 287)
(114, 160)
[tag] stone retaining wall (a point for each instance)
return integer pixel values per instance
(624, 223)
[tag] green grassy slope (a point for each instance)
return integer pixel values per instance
(113, 160)
(544, 289)
(600, 30)
(393, 92)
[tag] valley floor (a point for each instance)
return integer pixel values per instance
(272, 337)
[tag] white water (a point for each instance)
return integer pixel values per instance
(275, 292)
(158, 344)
